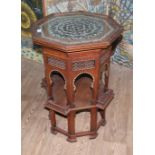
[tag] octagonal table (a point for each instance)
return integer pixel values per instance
(76, 47)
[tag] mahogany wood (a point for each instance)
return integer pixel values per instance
(77, 77)
(53, 121)
(71, 127)
(93, 122)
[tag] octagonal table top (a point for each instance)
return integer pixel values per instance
(71, 31)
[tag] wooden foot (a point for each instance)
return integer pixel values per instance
(50, 98)
(103, 122)
(53, 131)
(93, 136)
(102, 113)
(72, 138)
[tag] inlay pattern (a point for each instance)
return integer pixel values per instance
(83, 65)
(56, 63)
(76, 29)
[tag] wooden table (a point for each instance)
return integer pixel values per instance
(77, 48)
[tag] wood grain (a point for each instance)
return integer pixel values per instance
(115, 138)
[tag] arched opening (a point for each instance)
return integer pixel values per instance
(58, 83)
(83, 88)
(56, 76)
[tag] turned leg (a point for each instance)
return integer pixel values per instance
(53, 121)
(71, 126)
(93, 122)
(102, 113)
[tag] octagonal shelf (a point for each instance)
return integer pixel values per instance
(83, 98)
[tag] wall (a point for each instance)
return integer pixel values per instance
(74, 5)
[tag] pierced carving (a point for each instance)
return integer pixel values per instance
(56, 63)
(104, 58)
(80, 65)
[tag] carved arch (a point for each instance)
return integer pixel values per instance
(84, 73)
(60, 74)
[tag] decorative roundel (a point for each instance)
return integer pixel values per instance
(75, 29)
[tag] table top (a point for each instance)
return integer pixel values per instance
(75, 29)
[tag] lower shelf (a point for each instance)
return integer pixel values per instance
(103, 101)
(83, 97)
(83, 101)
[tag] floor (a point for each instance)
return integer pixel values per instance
(113, 139)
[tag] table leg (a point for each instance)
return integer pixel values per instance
(71, 126)
(102, 113)
(93, 123)
(49, 88)
(53, 121)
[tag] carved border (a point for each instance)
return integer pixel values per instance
(56, 63)
(81, 65)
